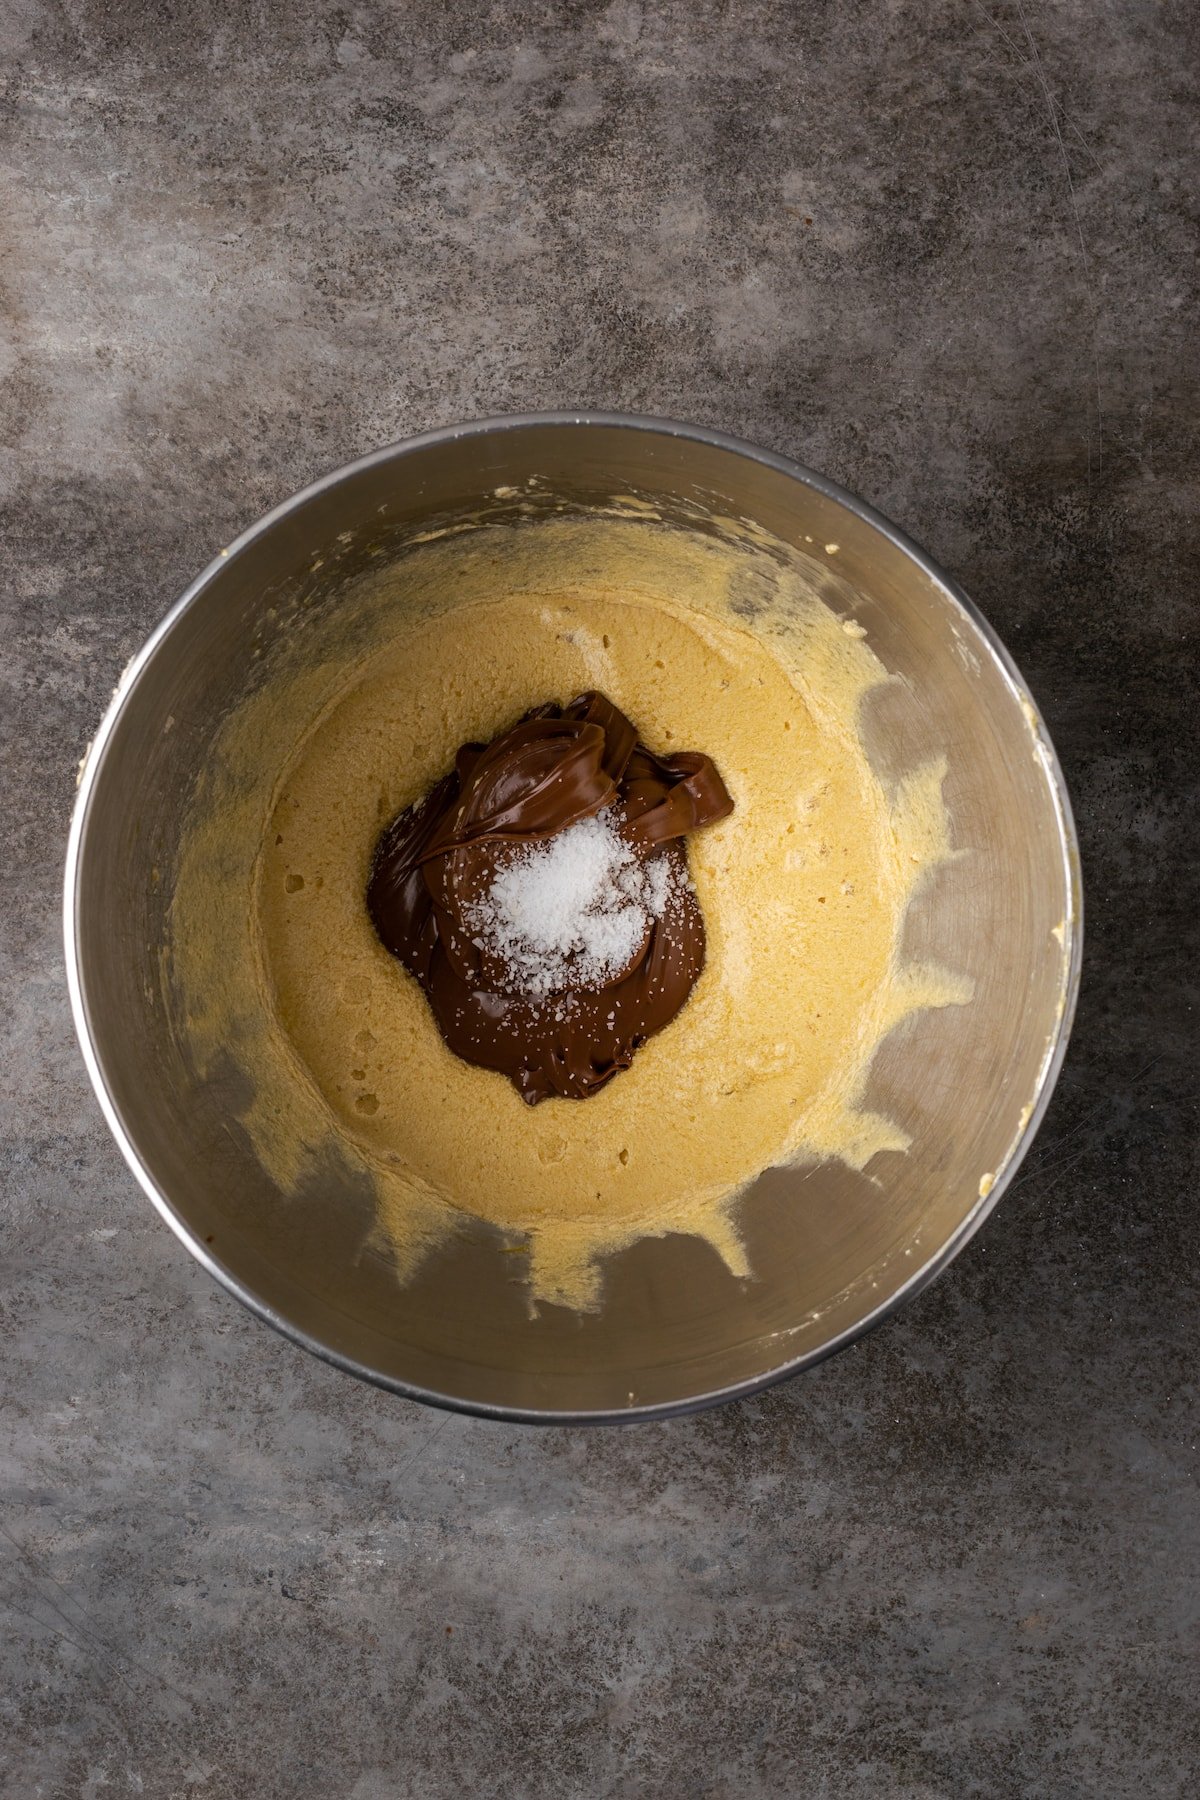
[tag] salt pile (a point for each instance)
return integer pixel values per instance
(571, 912)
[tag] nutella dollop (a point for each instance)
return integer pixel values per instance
(540, 895)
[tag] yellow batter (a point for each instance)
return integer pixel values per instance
(804, 889)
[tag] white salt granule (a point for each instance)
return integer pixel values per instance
(571, 912)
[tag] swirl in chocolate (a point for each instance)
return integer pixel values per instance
(549, 949)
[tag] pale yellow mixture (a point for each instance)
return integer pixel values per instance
(273, 957)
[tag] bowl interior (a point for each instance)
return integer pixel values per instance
(831, 1248)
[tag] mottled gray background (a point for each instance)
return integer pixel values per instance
(943, 251)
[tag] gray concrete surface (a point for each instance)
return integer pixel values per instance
(940, 249)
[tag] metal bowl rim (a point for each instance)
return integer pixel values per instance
(584, 420)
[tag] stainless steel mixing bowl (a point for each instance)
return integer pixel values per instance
(833, 1251)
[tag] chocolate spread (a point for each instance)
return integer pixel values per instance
(436, 862)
